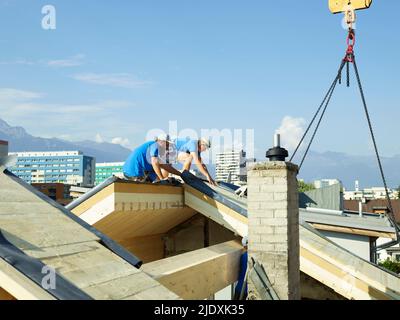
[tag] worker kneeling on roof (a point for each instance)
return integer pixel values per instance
(147, 162)
(189, 150)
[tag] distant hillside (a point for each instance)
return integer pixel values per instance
(342, 166)
(20, 141)
(349, 168)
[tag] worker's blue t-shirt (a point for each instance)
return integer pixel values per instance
(186, 145)
(139, 160)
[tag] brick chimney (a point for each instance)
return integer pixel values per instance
(273, 214)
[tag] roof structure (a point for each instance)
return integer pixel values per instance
(37, 234)
(321, 259)
(131, 212)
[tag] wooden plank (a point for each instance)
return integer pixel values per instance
(92, 267)
(99, 210)
(28, 231)
(204, 198)
(154, 293)
(344, 272)
(219, 213)
(19, 286)
(4, 295)
(344, 283)
(363, 232)
(11, 207)
(129, 189)
(147, 248)
(138, 188)
(147, 201)
(122, 225)
(201, 273)
(61, 251)
(89, 203)
(129, 287)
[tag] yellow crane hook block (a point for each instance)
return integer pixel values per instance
(337, 6)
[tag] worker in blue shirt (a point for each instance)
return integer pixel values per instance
(189, 150)
(146, 164)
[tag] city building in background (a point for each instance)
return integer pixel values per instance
(323, 183)
(76, 192)
(3, 148)
(106, 170)
(57, 191)
(231, 166)
(367, 194)
(67, 167)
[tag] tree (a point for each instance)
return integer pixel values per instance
(304, 187)
(391, 265)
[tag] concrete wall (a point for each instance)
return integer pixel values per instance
(359, 245)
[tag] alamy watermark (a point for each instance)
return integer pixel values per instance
(49, 20)
(222, 140)
(49, 278)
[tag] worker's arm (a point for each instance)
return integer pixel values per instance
(202, 167)
(170, 169)
(157, 167)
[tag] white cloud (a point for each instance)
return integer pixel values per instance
(73, 61)
(121, 141)
(291, 131)
(12, 95)
(122, 80)
(99, 138)
(18, 62)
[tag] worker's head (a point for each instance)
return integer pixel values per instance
(204, 144)
(163, 139)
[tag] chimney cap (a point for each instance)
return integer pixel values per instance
(277, 153)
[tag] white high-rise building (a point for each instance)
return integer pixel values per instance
(231, 166)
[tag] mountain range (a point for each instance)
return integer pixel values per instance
(19, 141)
(326, 165)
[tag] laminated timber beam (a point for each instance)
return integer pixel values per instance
(347, 274)
(355, 231)
(198, 274)
(16, 285)
(124, 210)
(220, 212)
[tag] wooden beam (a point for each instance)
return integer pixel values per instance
(198, 274)
(216, 211)
(148, 248)
(4, 295)
(345, 273)
(19, 286)
(361, 232)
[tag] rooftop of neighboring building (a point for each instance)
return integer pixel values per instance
(47, 153)
(372, 205)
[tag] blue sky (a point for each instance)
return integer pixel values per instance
(116, 69)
